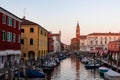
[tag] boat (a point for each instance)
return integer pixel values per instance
(30, 74)
(84, 60)
(111, 75)
(92, 66)
(102, 70)
(47, 67)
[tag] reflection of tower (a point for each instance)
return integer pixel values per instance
(77, 68)
(77, 30)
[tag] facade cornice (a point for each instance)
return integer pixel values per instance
(10, 14)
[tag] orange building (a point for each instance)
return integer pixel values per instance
(113, 46)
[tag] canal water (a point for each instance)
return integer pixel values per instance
(72, 69)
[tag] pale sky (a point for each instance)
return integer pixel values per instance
(55, 15)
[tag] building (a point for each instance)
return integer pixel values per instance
(34, 40)
(67, 48)
(50, 42)
(9, 38)
(101, 40)
(75, 42)
(83, 43)
(114, 46)
(57, 42)
(62, 47)
(92, 41)
(114, 51)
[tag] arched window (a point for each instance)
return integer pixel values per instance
(31, 41)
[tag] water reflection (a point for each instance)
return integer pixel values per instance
(72, 69)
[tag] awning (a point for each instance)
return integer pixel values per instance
(105, 51)
(17, 52)
(10, 52)
(3, 53)
(93, 51)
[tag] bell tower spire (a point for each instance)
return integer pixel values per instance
(77, 30)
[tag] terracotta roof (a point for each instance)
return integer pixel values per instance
(83, 37)
(74, 39)
(27, 22)
(105, 34)
(55, 34)
(114, 41)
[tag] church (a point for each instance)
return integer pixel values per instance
(75, 42)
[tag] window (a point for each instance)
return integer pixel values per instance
(100, 42)
(31, 41)
(3, 35)
(9, 36)
(14, 37)
(105, 42)
(45, 33)
(114, 38)
(24, 54)
(18, 25)
(9, 21)
(14, 23)
(22, 30)
(82, 44)
(96, 42)
(91, 42)
(41, 32)
(18, 38)
(110, 39)
(22, 41)
(4, 19)
(31, 29)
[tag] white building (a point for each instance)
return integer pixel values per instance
(98, 40)
(83, 43)
(57, 42)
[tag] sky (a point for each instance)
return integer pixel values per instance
(56, 15)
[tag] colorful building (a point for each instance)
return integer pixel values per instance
(50, 42)
(114, 45)
(34, 40)
(9, 38)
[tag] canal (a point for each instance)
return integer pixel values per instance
(72, 69)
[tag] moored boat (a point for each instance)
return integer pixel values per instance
(102, 70)
(111, 75)
(92, 66)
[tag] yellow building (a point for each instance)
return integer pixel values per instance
(33, 40)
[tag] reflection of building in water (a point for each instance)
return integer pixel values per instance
(77, 68)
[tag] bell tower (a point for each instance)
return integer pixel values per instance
(77, 30)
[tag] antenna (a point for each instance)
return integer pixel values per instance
(24, 13)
